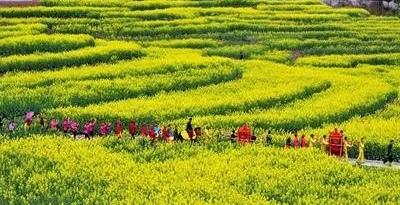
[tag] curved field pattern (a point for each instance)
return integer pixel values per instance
(280, 65)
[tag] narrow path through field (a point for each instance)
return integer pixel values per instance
(377, 164)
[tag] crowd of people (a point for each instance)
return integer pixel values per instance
(91, 128)
(324, 142)
(168, 133)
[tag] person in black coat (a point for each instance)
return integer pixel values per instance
(177, 135)
(390, 155)
(1, 121)
(268, 138)
(233, 137)
(241, 55)
(190, 130)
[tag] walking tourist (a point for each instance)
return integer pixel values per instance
(390, 155)
(361, 152)
(296, 141)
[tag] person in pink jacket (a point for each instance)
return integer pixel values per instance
(92, 125)
(105, 128)
(66, 125)
(74, 126)
(28, 119)
(53, 124)
(87, 129)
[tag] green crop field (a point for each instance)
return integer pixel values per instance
(279, 65)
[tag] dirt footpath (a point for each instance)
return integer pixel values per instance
(18, 3)
(377, 164)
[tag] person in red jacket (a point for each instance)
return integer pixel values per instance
(165, 134)
(303, 141)
(296, 142)
(144, 131)
(152, 134)
(132, 128)
(118, 130)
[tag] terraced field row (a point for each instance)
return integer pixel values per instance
(43, 43)
(85, 92)
(107, 52)
(254, 99)
(156, 61)
(276, 26)
(21, 30)
(348, 61)
(237, 95)
(125, 172)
